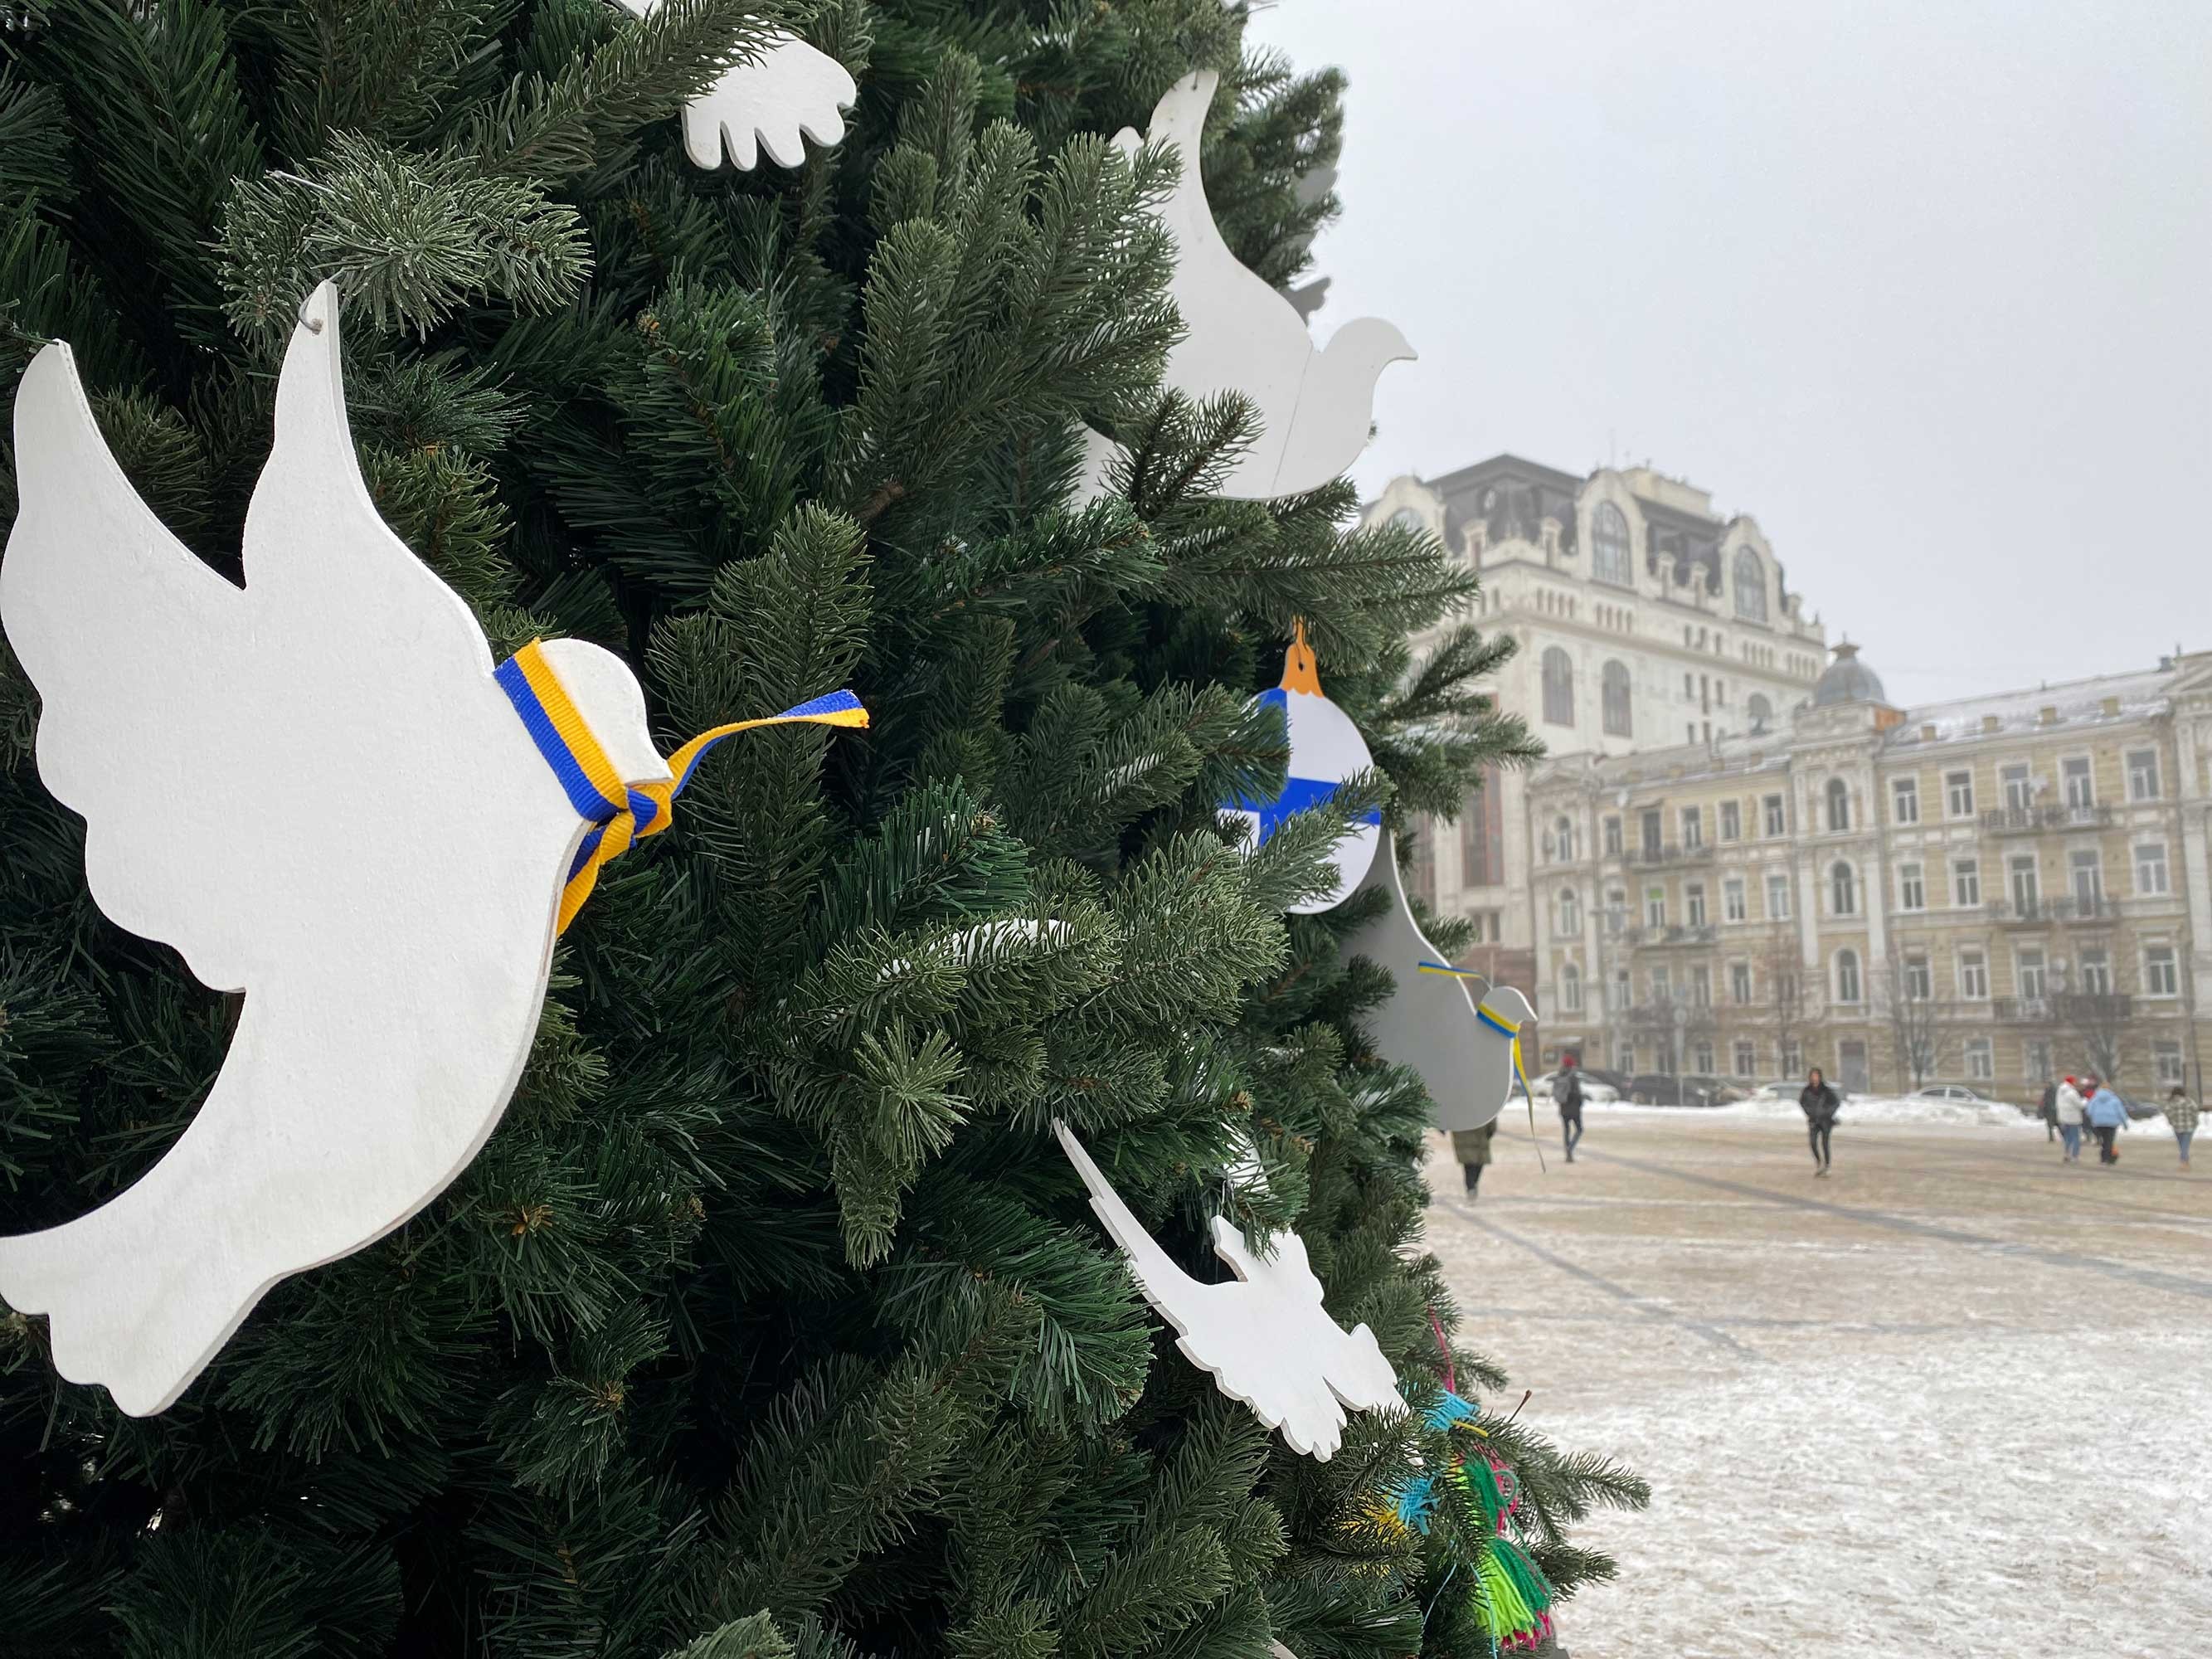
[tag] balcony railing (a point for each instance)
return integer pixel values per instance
(2022, 1011)
(1669, 854)
(1702, 933)
(2035, 913)
(2033, 820)
(2092, 1007)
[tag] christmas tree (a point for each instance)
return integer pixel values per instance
(771, 1322)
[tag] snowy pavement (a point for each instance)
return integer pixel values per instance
(1955, 1400)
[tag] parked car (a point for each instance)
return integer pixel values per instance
(1788, 1088)
(1594, 1089)
(1959, 1091)
(1725, 1091)
(1661, 1088)
(2138, 1110)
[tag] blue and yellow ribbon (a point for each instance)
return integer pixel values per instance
(619, 813)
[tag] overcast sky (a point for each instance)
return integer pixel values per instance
(1924, 286)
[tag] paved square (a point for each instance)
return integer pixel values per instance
(1954, 1400)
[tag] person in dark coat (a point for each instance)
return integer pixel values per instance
(2051, 1110)
(1567, 1095)
(1820, 1103)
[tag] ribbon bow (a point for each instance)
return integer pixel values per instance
(620, 813)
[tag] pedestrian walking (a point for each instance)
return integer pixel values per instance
(1471, 1148)
(2068, 1105)
(1567, 1095)
(2107, 1117)
(1819, 1105)
(2050, 1111)
(2181, 1114)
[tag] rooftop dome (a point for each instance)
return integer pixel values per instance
(1847, 680)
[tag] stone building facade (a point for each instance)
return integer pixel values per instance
(1645, 620)
(1987, 891)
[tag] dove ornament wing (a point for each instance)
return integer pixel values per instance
(314, 787)
(789, 93)
(1315, 406)
(1265, 1339)
(1462, 1045)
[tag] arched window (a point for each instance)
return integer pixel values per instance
(1761, 711)
(1571, 988)
(1750, 585)
(1839, 804)
(1609, 546)
(1571, 913)
(1847, 976)
(1619, 722)
(1842, 891)
(1558, 687)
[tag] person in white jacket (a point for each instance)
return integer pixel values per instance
(2068, 1106)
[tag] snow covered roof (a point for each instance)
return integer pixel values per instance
(2107, 700)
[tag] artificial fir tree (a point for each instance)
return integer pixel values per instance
(771, 1322)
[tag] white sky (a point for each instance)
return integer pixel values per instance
(1924, 286)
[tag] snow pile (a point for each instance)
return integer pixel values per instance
(1859, 1108)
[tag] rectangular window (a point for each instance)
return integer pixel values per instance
(2039, 1060)
(1733, 905)
(1701, 992)
(2081, 790)
(2088, 868)
(1958, 794)
(1655, 832)
(2027, 886)
(1482, 838)
(1793, 1058)
(2167, 1058)
(1622, 996)
(1655, 906)
(2096, 974)
(2019, 788)
(2029, 974)
(1689, 685)
(1571, 988)
(1693, 827)
(2150, 869)
(1704, 1055)
(1905, 800)
(1662, 986)
(1746, 1059)
(1689, 731)
(1693, 901)
(1966, 883)
(1919, 982)
(1613, 838)
(1973, 976)
(2162, 974)
(2143, 775)
(1731, 820)
(1778, 898)
(1740, 982)
(1777, 824)
(1981, 1059)
(1911, 887)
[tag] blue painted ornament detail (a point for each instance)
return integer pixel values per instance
(1326, 750)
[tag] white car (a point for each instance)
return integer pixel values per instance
(1594, 1092)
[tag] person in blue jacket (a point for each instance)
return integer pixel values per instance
(2107, 1117)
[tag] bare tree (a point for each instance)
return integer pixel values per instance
(1921, 1031)
(2096, 1020)
(1782, 993)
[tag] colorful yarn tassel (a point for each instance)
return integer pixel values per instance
(1512, 1601)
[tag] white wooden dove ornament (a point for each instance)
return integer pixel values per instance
(1316, 407)
(320, 791)
(1466, 1049)
(1265, 1338)
(766, 103)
